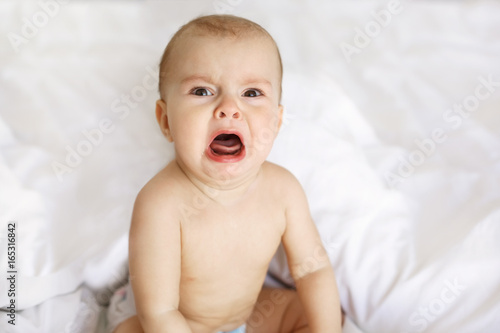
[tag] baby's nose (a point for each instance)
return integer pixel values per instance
(227, 109)
(234, 114)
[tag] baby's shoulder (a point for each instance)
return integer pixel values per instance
(164, 189)
(287, 190)
(280, 178)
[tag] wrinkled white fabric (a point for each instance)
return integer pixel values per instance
(391, 125)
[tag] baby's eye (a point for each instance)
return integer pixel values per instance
(201, 92)
(252, 93)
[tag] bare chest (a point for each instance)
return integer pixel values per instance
(241, 237)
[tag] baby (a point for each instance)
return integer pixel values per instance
(205, 228)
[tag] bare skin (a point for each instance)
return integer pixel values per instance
(283, 314)
(205, 228)
(227, 297)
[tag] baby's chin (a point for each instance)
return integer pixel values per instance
(218, 170)
(231, 174)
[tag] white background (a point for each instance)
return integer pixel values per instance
(403, 187)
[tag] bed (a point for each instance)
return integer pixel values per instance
(392, 126)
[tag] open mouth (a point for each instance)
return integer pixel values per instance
(226, 147)
(226, 144)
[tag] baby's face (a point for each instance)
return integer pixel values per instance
(221, 104)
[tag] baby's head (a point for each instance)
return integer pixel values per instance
(220, 87)
(222, 26)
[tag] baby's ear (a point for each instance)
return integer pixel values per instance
(280, 118)
(162, 118)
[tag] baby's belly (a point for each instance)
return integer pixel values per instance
(219, 305)
(223, 267)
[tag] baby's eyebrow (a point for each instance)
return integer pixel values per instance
(196, 78)
(257, 81)
(208, 79)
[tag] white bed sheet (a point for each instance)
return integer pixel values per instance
(395, 138)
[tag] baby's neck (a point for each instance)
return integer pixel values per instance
(225, 191)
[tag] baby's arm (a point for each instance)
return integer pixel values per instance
(155, 261)
(309, 264)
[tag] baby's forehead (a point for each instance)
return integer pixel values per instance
(198, 53)
(201, 45)
(251, 36)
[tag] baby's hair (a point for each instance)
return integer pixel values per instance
(215, 25)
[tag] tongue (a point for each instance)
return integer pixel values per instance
(226, 144)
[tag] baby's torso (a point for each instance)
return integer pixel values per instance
(226, 250)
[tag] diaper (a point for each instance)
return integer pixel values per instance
(122, 307)
(241, 329)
